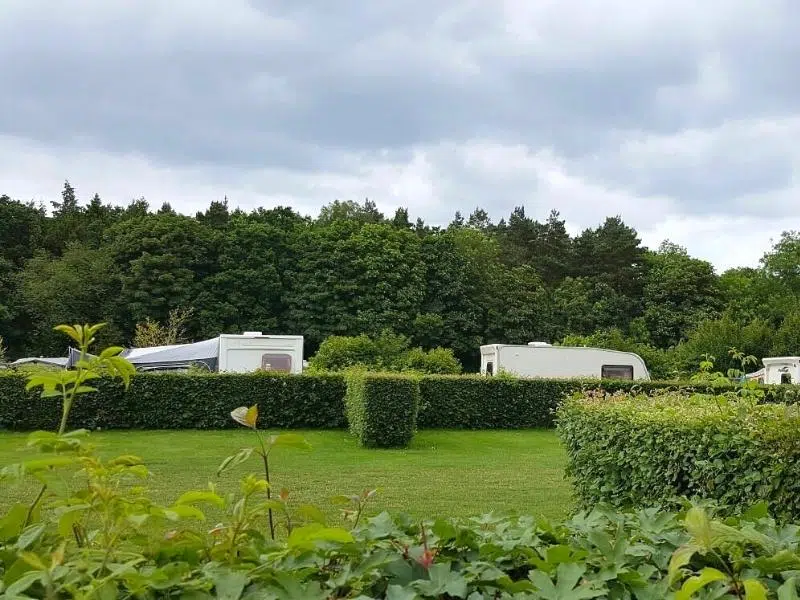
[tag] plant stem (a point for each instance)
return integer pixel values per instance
(265, 457)
(33, 506)
(64, 414)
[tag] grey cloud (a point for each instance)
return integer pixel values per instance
(293, 85)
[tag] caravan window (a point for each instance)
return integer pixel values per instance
(786, 378)
(276, 362)
(616, 372)
(490, 368)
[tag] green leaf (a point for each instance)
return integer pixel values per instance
(30, 536)
(12, 522)
(23, 583)
(312, 513)
(126, 460)
(341, 499)
(698, 582)
(784, 560)
(757, 512)
(72, 331)
(310, 534)
(235, 460)
(69, 517)
(111, 351)
(84, 389)
(398, 592)
(197, 497)
(754, 590)
(39, 464)
(443, 581)
(184, 511)
(289, 440)
(139, 519)
(567, 575)
(228, 584)
(699, 527)
(788, 591)
(680, 558)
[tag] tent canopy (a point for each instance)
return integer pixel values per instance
(179, 355)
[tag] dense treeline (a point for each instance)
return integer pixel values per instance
(353, 270)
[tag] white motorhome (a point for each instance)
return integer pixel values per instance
(539, 359)
(778, 370)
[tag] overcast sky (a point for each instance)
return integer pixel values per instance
(681, 116)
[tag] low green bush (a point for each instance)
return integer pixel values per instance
(638, 451)
(177, 401)
(382, 408)
(389, 352)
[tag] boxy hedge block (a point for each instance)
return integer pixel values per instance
(382, 409)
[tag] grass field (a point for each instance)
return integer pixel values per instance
(444, 473)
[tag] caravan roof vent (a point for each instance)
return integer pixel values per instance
(252, 333)
(539, 344)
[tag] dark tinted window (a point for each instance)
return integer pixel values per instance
(786, 378)
(276, 362)
(490, 368)
(616, 372)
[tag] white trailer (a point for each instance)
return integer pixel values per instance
(254, 351)
(778, 370)
(542, 360)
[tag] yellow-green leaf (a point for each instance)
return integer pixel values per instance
(680, 558)
(698, 582)
(251, 417)
(754, 590)
(195, 497)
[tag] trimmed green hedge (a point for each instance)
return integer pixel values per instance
(633, 451)
(477, 402)
(382, 409)
(175, 401)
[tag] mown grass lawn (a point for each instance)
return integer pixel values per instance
(444, 473)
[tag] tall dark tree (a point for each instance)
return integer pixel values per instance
(679, 293)
(162, 259)
(612, 253)
(21, 230)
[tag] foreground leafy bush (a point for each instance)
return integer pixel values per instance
(638, 451)
(176, 401)
(382, 409)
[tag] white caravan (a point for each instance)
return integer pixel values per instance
(539, 359)
(778, 370)
(253, 351)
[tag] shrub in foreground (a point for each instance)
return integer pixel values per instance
(382, 409)
(639, 451)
